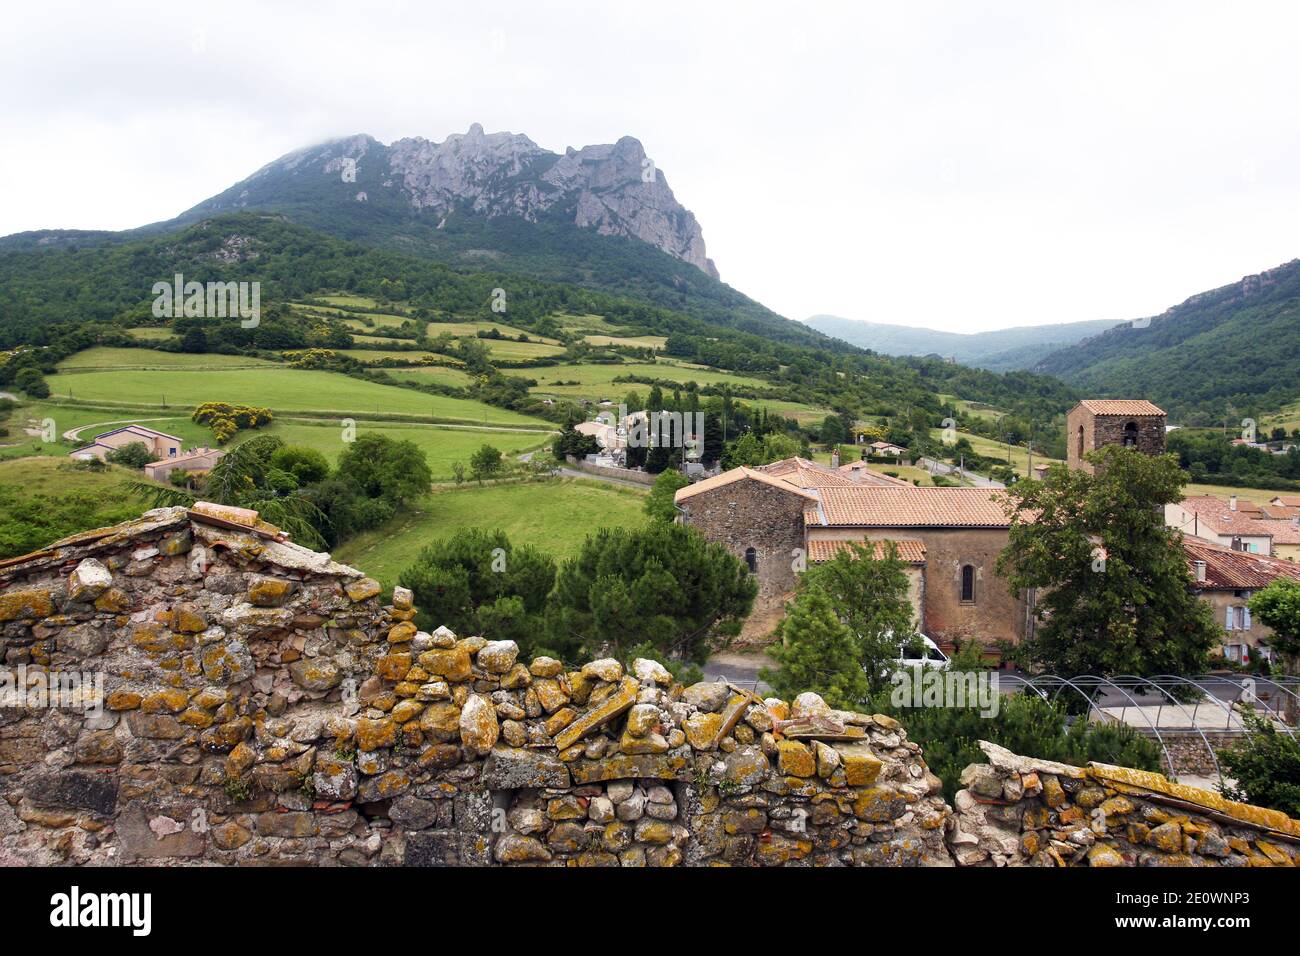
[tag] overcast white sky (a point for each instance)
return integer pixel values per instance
(964, 166)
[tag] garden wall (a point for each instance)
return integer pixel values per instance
(192, 687)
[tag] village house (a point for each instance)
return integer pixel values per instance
(886, 449)
(160, 444)
(1227, 579)
(197, 462)
(1223, 522)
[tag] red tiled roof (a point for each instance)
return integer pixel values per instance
(803, 473)
(1283, 531)
(910, 550)
(1279, 512)
(738, 474)
(1216, 514)
(881, 506)
(1230, 570)
(869, 476)
(1289, 501)
(1119, 406)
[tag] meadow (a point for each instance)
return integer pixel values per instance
(442, 446)
(272, 386)
(998, 451)
(554, 515)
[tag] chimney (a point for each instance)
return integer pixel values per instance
(835, 458)
(1200, 571)
(1232, 503)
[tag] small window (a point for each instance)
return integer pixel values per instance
(1131, 435)
(1080, 453)
(968, 584)
(751, 559)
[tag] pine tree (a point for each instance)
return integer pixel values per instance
(817, 653)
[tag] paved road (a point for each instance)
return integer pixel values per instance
(943, 468)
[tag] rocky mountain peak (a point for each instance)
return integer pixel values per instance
(615, 188)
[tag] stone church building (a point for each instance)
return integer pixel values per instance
(779, 517)
(1094, 423)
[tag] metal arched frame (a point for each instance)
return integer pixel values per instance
(1096, 682)
(1177, 703)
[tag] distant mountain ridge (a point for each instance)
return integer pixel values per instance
(1001, 350)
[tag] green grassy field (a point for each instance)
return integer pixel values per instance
(638, 341)
(470, 329)
(518, 351)
(376, 355)
(54, 475)
(107, 359)
(441, 446)
(440, 374)
(597, 381)
(997, 450)
(276, 387)
(150, 333)
(555, 515)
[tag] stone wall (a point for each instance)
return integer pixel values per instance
(754, 514)
(259, 704)
(1017, 811)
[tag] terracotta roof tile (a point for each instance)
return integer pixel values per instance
(889, 506)
(738, 474)
(910, 550)
(869, 476)
(1226, 569)
(1216, 514)
(1118, 406)
(805, 474)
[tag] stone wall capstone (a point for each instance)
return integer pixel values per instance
(1018, 811)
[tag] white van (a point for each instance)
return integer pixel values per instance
(926, 656)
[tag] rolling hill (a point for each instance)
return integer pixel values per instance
(999, 351)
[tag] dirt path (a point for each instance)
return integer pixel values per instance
(73, 434)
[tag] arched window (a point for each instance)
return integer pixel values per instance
(968, 584)
(1080, 452)
(1131, 435)
(751, 559)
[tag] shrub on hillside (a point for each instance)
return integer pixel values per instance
(1266, 765)
(226, 419)
(135, 455)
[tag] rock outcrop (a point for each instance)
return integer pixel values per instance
(614, 189)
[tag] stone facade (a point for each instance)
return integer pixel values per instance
(995, 613)
(762, 516)
(1087, 430)
(1017, 811)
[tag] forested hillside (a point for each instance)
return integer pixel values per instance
(1220, 355)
